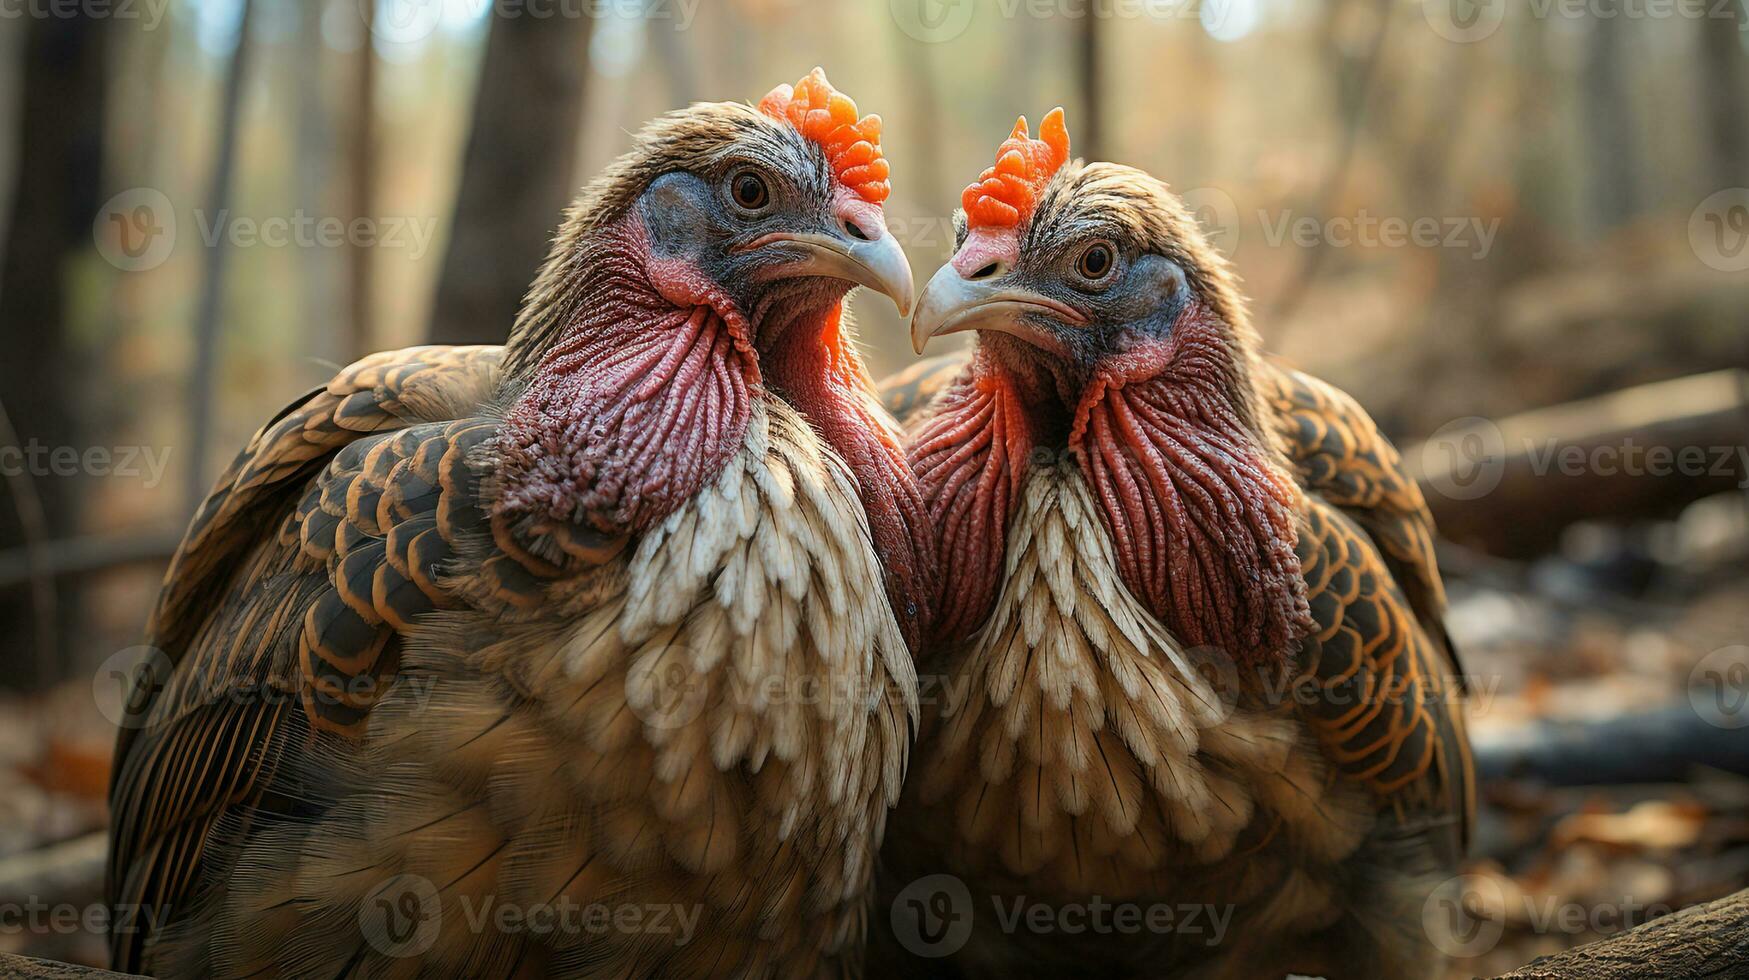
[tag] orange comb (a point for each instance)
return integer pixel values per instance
(828, 117)
(1004, 195)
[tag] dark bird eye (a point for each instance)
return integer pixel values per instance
(748, 189)
(1095, 262)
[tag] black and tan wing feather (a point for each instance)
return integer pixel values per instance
(1390, 707)
(279, 611)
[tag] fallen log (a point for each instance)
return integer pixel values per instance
(1649, 747)
(1710, 941)
(71, 871)
(1510, 486)
(76, 557)
(31, 968)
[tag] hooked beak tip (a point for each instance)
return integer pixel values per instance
(889, 271)
(950, 304)
(878, 263)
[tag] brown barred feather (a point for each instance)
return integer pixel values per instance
(1327, 799)
(250, 624)
(392, 684)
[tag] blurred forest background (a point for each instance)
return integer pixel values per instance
(1509, 229)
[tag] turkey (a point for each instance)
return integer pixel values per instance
(1189, 645)
(479, 655)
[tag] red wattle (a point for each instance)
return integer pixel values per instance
(971, 459)
(639, 406)
(648, 394)
(1203, 523)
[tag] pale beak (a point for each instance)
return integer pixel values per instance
(877, 263)
(952, 304)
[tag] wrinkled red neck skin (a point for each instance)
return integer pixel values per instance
(971, 460)
(642, 403)
(649, 395)
(1203, 521)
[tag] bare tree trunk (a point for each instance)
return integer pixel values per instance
(362, 182)
(212, 292)
(672, 57)
(516, 174)
(1610, 133)
(1199, 150)
(1354, 79)
(55, 198)
(1724, 96)
(1090, 128)
(320, 268)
